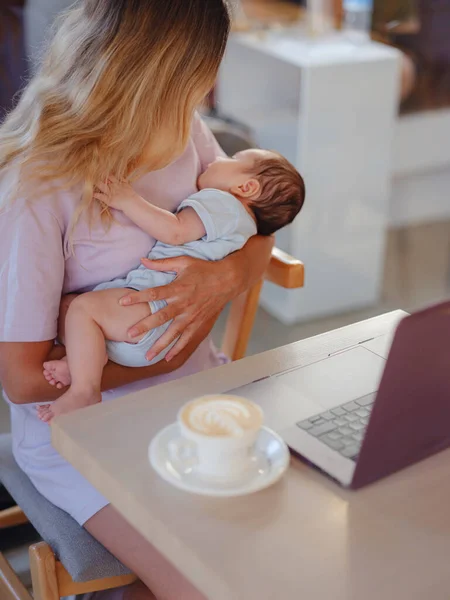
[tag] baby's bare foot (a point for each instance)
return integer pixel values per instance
(57, 373)
(68, 402)
(44, 413)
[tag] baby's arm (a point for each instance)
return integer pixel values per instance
(176, 230)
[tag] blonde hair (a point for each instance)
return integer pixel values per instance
(115, 93)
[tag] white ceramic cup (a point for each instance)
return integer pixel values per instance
(218, 434)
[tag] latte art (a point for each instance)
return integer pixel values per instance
(227, 416)
(224, 417)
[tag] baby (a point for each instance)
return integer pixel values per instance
(255, 192)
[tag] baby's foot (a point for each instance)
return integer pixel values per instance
(68, 402)
(57, 373)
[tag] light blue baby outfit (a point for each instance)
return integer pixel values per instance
(228, 226)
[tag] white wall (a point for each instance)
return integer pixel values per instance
(421, 169)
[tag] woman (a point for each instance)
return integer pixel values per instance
(116, 95)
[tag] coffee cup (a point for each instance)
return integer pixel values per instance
(218, 434)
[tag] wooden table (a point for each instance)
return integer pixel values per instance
(303, 539)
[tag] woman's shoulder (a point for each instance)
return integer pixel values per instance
(52, 200)
(204, 141)
(200, 132)
(198, 124)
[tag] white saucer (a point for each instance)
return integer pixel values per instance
(269, 463)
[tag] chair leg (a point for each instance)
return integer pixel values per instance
(11, 588)
(51, 581)
(43, 572)
(10, 517)
(240, 323)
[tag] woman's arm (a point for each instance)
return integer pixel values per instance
(21, 368)
(174, 229)
(200, 290)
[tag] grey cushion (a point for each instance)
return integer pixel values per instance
(232, 137)
(79, 552)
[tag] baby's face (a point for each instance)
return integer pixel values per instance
(229, 173)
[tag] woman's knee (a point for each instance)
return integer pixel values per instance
(130, 547)
(135, 591)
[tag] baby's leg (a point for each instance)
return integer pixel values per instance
(56, 372)
(91, 318)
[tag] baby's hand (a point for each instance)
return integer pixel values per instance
(115, 193)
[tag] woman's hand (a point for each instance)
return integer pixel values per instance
(197, 295)
(199, 292)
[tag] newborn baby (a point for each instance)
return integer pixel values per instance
(255, 192)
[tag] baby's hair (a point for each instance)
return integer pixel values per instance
(282, 194)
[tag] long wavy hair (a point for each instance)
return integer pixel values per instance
(115, 94)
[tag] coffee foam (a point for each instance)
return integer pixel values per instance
(226, 416)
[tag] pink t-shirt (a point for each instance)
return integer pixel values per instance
(37, 267)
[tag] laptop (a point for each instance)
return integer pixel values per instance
(367, 411)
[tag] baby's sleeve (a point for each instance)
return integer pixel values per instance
(219, 212)
(31, 272)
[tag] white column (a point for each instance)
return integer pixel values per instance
(330, 108)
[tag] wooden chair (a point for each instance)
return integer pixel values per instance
(284, 271)
(50, 579)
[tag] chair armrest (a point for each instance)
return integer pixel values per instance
(285, 270)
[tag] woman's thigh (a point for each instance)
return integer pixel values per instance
(126, 544)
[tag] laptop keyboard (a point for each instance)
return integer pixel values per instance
(342, 428)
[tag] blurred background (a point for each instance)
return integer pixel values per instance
(357, 95)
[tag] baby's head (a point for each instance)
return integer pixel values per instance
(264, 181)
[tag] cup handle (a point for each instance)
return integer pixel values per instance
(183, 451)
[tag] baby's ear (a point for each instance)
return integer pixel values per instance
(250, 189)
